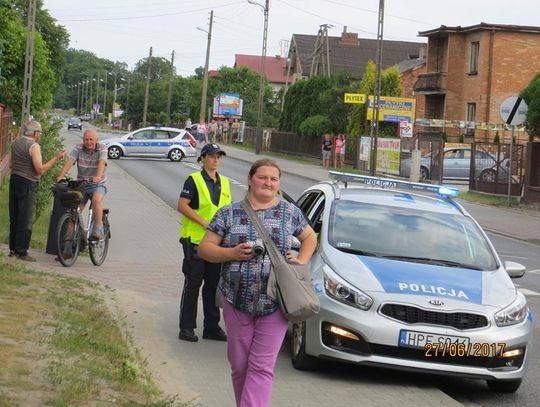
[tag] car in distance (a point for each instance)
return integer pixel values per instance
(74, 123)
(168, 142)
(457, 164)
(407, 279)
(86, 117)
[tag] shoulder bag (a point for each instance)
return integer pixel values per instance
(293, 287)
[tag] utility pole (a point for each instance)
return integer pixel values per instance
(127, 101)
(86, 96)
(321, 54)
(147, 90)
(374, 129)
(202, 112)
(258, 135)
(91, 97)
(97, 94)
(169, 94)
(105, 94)
(29, 61)
(78, 110)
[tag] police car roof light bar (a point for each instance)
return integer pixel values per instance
(440, 190)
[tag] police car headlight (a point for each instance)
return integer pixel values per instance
(514, 313)
(344, 292)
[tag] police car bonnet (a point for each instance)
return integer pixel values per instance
(211, 148)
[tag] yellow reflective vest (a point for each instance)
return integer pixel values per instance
(207, 209)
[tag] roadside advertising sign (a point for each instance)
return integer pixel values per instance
(388, 150)
(365, 146)
(227, 105)
(355, 98)
(392, 109)
(405, 128)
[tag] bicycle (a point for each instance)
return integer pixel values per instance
(72, 237)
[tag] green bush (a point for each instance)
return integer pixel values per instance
(315, 126)
(50, 142)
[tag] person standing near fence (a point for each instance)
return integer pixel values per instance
(326, 150)
(26, 169)
(339, 151)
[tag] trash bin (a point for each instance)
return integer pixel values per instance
(57, 211)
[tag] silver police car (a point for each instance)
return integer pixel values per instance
(407, 279)
(168, 142)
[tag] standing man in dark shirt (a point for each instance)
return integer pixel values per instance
(26, 169)
(326, 150)
(203, 194)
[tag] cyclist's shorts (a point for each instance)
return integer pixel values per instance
(89, 189)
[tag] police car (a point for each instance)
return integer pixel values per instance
(169, 142)
(407, 279)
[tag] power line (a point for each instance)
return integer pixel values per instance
(152, 15)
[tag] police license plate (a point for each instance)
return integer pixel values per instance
(415, 339)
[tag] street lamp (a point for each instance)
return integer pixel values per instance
(258, 136)
(202, 112)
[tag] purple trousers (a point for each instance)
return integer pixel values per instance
(253, 345)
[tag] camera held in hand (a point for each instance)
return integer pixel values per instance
(257, 246)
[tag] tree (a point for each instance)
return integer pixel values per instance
(531, 95)
(12, 60)
(390, 86)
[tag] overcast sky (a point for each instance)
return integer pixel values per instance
(124, 30)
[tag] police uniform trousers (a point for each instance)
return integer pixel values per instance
(196, 271)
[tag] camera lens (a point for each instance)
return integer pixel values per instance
(258, 250)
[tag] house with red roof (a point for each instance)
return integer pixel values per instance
(275, 68)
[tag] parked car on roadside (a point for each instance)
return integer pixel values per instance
(74, 123)
(86, 117)
(408, 280)
(169, 142)
(457, 164)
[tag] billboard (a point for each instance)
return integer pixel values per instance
(227, 105)
(392, 109)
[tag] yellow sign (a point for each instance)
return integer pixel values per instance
(357, 98)
(392, 109)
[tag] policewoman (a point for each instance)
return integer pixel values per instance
(204, 192)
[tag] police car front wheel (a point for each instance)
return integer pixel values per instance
(176, 155)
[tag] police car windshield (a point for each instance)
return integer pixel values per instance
(409, 235)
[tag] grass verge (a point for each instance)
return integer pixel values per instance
(60, 345)
(487, 199)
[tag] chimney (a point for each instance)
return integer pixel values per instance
(422, 53)
(348, 38)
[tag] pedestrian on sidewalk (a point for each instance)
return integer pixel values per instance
(201, 132)
(255, 325)
(339, 151)
(212, 131)
(326, 150)
(91, 159)
(204, 192)
(26, 169)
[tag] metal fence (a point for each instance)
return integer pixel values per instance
(6, 117)
(493, 168)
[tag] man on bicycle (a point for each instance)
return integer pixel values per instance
(91, 159)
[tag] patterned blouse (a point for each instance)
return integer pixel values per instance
(243, 283)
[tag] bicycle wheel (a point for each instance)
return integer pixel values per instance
(68, 240)
(98, 248)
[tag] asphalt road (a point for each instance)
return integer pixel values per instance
(165, 179)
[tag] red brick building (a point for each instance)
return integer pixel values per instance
(471, 70)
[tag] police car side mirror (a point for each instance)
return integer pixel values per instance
(514, 270)
(295, 244)
(130, 138)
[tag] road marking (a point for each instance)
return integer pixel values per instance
(536, 271)
(513, 257)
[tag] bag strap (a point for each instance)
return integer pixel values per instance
(271, 247)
